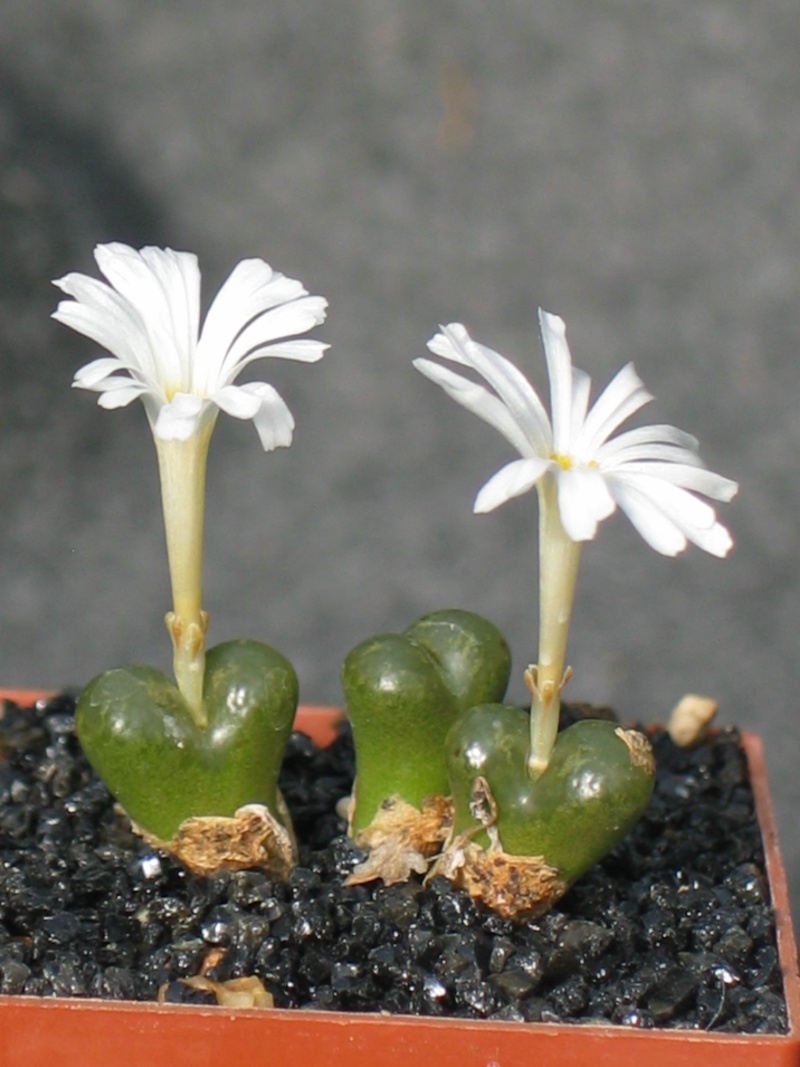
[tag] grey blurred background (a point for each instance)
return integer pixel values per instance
(631, 165)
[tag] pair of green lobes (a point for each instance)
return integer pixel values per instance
(403, 692)
(427, 721)
(140, 736)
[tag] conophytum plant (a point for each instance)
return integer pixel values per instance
(210, 744)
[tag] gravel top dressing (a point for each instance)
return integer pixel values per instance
(674, 929)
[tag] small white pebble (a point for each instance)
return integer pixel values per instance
(690, 719)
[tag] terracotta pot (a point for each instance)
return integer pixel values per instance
(41, 1032)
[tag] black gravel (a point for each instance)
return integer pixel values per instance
(674, 929)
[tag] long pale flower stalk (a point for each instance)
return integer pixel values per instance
(559, 557)
(182, 466)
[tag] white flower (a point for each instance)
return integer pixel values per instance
(653, 473)
(148, 318)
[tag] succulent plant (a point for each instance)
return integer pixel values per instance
(402, 694)
(195, 761)
(532, 808)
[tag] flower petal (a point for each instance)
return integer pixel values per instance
(648, 442)
(512, 387)
(612, 459)
(238, 401)
(273, 421)
(581, 387)
(681, 505)
(624, 395)
(154, 294)
(111, 324)
(254, 342)
(304, 351)
(180, 418)
(583, 501)
(649, 520)
(559, 370)
(696, 478)
(716, 540)
(512, 480)
(478, 400)
(93, 375)
(251, 289)
(263, 404)
(693, 518)
(119, 392)
(179, 276)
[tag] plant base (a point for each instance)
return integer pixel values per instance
(36, 1031)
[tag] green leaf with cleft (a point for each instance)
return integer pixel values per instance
(597, 785)
(402, 694)
(140, 737)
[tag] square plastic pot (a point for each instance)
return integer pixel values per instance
(42, 1032)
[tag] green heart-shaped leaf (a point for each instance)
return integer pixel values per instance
(402, 694)
(596, 786)
(140, 737)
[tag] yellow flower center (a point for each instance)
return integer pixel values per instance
(567, 462)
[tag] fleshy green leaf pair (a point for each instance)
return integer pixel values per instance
(402, 694)
(536, 836)
(163, 769)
